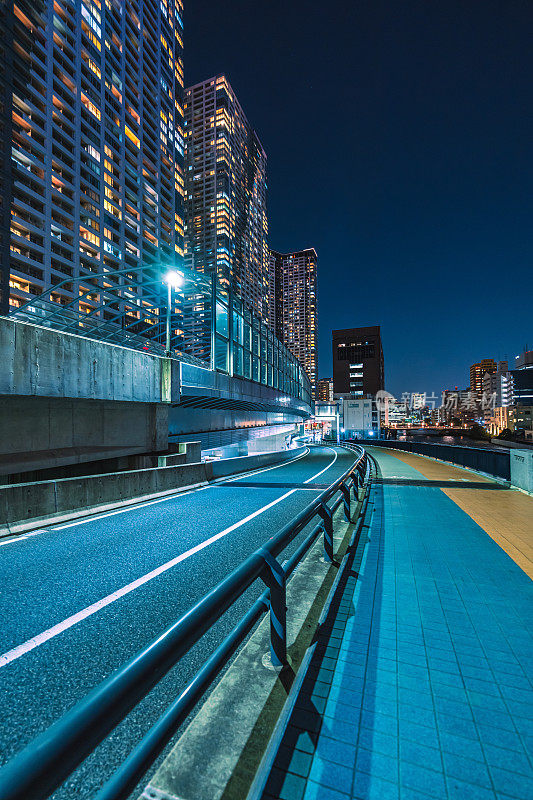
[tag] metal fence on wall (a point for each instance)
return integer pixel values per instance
(206, 325)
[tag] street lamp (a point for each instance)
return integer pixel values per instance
(173, 280)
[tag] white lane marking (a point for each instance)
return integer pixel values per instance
(325, 468)
(16, 652)
(24, 536)
(241, 476)
(67, 623)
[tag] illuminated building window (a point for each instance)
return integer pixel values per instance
(135, 139)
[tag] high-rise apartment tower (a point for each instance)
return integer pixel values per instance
(293, 317)
(225, 179)
(95, 177)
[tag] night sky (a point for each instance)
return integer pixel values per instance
(400, 145)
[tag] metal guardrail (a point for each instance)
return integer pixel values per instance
(198, 323)
(54, 755)
(493, 462)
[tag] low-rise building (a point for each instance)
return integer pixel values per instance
(348, 417)
(360, 418)
(394, 412)
(461, 407)
(500, 419)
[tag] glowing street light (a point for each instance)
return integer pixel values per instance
(173, 280)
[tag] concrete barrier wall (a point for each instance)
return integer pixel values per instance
(231, 466)
(23, 501)
(35, 501)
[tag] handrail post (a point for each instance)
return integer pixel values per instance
(275, 579)
(355, 484)
(327, 525)
(345, 489)
(360, 480)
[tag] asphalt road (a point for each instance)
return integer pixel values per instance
(79, 599)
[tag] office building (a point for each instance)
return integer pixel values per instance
(522, 379)
(293, 285)
(524, 361)
(477, 371)
(394, 412)
(522, 421)
(358, 365)
(96, 172)
(325, 389)
(225, 180)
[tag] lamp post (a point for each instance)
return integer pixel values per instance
(173, 280)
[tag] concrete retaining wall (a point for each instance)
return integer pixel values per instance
(38, 433)
(40, 362)
(68, 400)
(188, 453)
(25, 502)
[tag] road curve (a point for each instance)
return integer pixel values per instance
(79, 599)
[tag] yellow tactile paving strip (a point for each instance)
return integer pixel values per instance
(507, 516)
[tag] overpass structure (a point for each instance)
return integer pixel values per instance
(87, 376)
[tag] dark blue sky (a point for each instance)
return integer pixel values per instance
(399, 137)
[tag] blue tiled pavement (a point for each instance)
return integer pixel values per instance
(418, 687)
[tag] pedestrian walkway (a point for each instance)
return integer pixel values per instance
(418, 687)
(506, 517)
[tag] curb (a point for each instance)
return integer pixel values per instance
(263, 772)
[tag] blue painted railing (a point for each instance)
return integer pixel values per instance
(492, 462)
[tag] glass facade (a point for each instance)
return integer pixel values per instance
(217, 327)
